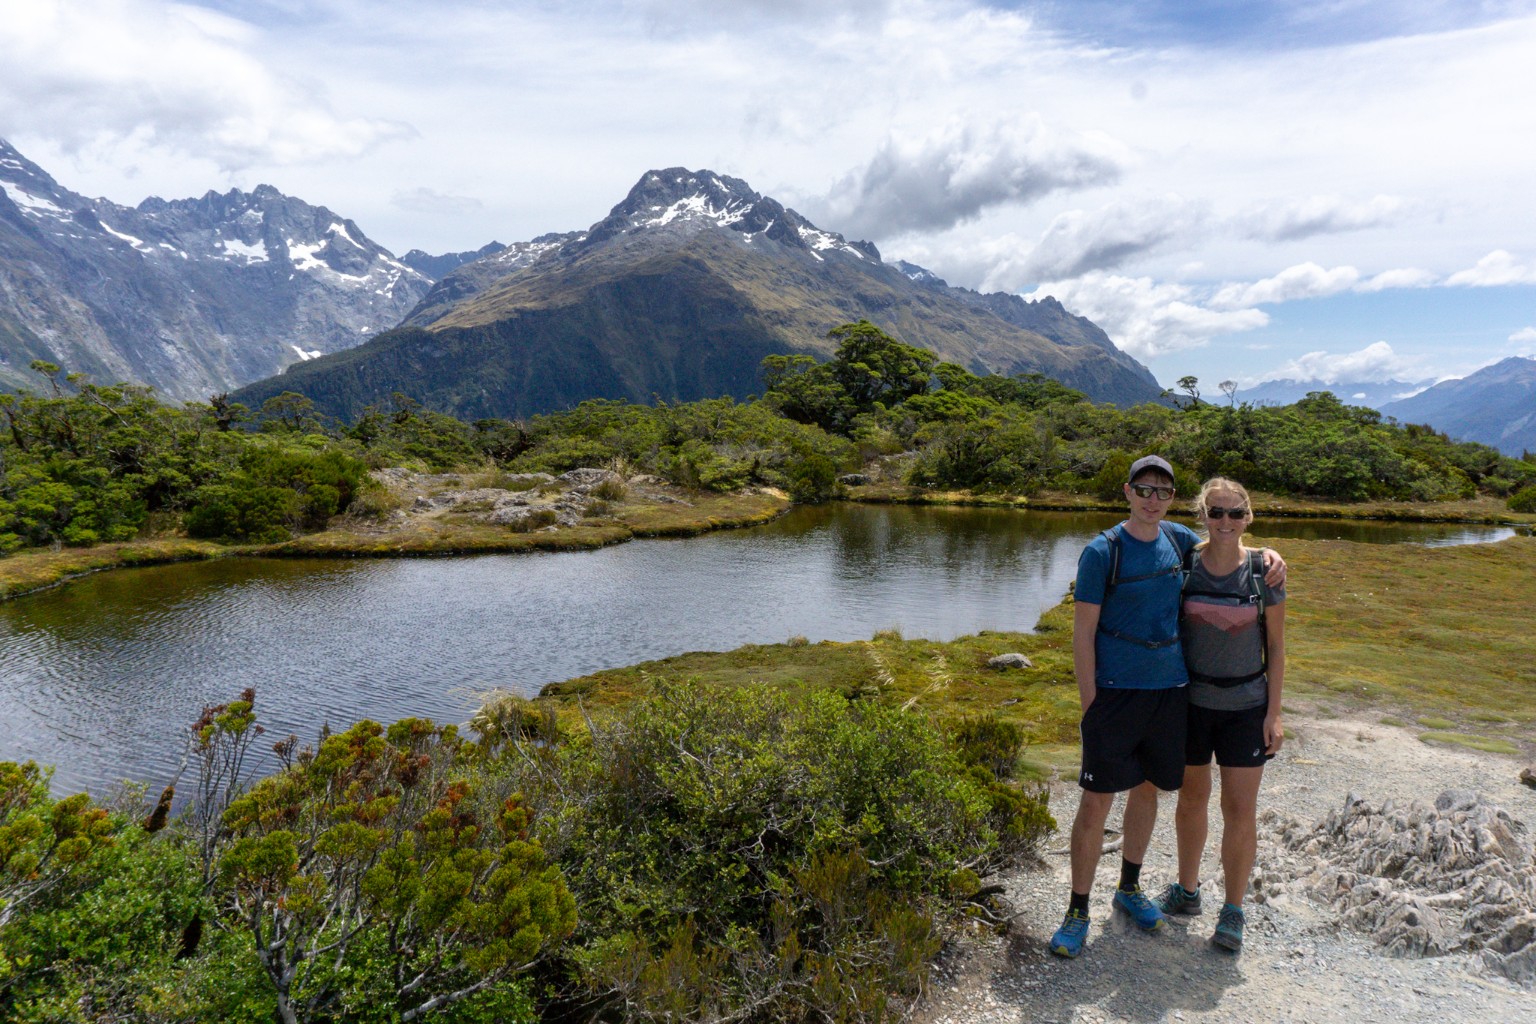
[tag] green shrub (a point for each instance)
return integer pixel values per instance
(1523, 500)
(797, 855)
(229, 511)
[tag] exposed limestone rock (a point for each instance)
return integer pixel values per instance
(855, 479)
(1014, 660)
(1424, 881)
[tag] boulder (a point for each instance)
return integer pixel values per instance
(1005, 661)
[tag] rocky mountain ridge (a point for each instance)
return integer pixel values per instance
(678, 293)
(192, 296)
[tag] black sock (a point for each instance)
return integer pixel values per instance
(1130, 875)
(1079, 904)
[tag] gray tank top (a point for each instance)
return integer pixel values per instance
(1221, 637)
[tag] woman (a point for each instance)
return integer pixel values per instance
(1233, 634)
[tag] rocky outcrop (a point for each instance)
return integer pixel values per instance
(1422, 880)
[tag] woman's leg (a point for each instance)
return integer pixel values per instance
(1192, 820)
(1239, 832)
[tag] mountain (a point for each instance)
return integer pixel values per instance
(1372, 394)
(193, 296)
(679, 293)
(435, 267)
(1496, 405)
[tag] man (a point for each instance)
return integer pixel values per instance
(1131, 679)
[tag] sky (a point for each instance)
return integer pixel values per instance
(1338, 190)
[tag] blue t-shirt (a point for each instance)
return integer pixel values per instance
(1146, 609)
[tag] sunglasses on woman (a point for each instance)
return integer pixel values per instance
(1149, 490)
(1217, 512)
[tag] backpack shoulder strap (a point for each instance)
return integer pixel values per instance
(1112, 537)
(1256, 581)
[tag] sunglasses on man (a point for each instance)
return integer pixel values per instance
(1150, 490)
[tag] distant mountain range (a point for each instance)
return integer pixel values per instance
(1496, 405)
(1372, 394)
(193, 296)
(679, 293)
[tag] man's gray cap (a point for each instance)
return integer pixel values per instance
(1147, 462)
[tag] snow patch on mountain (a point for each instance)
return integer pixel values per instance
(35, 205)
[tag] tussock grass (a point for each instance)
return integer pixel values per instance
(1484, 743)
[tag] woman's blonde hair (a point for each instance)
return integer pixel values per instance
(1221, 483)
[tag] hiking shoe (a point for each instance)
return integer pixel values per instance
(1142, 910)
(1175, 899)
(1070, 937)
(1229, 928)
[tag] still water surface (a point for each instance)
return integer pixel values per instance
(101, 678)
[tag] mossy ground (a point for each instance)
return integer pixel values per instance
(37, 570)
(28, 571)
(1482, 509)
(1445, 633)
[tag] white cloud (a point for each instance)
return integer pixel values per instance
(1148, 318)
(1497, 268)
(1286, 220)
(1524, 334)
(1524, 341)
(1304, 281)
(165, 75)
(1079, 241)
(428, 200)
(1407, 277)
(954, 174)
(1376, 361)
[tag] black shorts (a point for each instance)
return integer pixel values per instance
(1235, 737)
(1134, 736)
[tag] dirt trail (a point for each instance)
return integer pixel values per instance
(1300, 963)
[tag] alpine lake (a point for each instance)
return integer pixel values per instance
(102, 678)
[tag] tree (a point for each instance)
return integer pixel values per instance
(1229, 388)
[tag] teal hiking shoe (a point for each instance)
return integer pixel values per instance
(1142, 910)
(1229, 928)
(1175, 899)
(1071, 936)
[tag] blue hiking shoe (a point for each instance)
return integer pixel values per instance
(1071, 936)
(1229, 928)
(1142, 910)
(1175, 899)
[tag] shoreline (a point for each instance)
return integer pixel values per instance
(32, 571)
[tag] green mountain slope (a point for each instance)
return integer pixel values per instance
(678, 294)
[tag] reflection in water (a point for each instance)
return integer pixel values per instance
(102, 678)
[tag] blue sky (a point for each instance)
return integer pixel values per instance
(1234, 190)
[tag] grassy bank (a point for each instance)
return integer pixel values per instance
(37, 570)
(1407, 632)
(28, 571)
(1482, 509)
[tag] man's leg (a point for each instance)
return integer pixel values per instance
(1140, 817)
(1087, 845)
(1088, 838)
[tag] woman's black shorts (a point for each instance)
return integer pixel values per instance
(1236, 738)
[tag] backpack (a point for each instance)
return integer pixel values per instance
(1112, 535)
(1255, 597)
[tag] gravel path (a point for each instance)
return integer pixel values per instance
(1300, 963)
